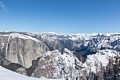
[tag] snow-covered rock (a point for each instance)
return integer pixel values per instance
(54, 64)
(101, 58)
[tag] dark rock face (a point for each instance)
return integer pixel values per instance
(33, 67)
(21, 70)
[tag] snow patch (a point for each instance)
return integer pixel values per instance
(6, 74)
(17, 35)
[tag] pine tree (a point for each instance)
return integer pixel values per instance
(116, 67)
(109, 71)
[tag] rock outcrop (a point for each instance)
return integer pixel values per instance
(56, 65)
(21, 49)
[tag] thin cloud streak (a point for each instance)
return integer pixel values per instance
(2, 6)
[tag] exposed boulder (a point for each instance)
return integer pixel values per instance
(21, 49)
(21, 70)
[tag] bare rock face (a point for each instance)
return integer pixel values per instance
(23, 51)
(20, 48)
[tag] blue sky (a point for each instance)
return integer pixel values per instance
(61, 16)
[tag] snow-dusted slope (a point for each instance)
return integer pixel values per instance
(6, 74)
(58, 64)
(101, 58)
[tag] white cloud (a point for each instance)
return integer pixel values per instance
(2, 7)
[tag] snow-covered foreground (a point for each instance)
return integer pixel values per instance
(6, 74)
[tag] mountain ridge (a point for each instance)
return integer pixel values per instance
(59, 56)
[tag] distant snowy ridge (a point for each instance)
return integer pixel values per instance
(14, 35)
(19, 35)
(78, 36)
